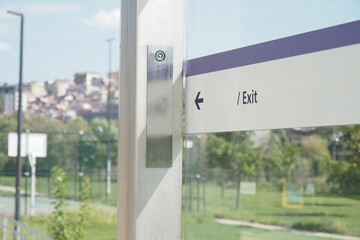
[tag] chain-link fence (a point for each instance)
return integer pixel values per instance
(79, 154)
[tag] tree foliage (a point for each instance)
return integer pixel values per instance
(345, 175)
(315, 149)
(235, 152)
(280, 156)
(67, 143)
(77, 124)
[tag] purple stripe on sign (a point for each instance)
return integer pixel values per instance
(315, 41)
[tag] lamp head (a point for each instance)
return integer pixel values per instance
(15, 13)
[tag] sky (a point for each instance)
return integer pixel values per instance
(61, 38)
(214, 26)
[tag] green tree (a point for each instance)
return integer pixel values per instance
(245, 158)
(280, 156)
(218, 154)
(77, 124)
(97, 143)
(8, 124)
(345, 175)
(235, 152)
(315, 149)
(41, 123)
(99, 125)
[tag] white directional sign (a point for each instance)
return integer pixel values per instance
(311, 79)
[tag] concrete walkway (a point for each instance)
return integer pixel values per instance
(13, 190)
(279, 228)
(42, 205)
(10, 189)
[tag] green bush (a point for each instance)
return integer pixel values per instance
(63, 226)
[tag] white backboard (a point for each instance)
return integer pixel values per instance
(31, 143)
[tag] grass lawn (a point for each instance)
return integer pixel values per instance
(102, 226)
(206, 228)
(327, 213)
(101, 223)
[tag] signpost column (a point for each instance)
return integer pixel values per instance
(149, 192)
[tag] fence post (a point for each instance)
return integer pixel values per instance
(4, 228)
(17, 231)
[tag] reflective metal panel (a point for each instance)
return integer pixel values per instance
(159, 107)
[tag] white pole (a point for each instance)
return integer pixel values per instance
(18, 231)
(33, 172)
(108, 177)
(27, 173)
(4, 227)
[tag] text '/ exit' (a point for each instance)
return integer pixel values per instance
(247, 97)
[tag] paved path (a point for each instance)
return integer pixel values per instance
(42, 205)
(13, 190)
(9, 189)
(279, 228)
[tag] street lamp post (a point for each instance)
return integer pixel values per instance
(19, 127)
(108, 164)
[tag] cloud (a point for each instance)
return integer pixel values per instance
(4, 47)
(52, 8)
(105, 19)
(39, 9)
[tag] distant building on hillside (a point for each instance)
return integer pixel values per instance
(37, 89)
(24, 102)
(9, 99)
(58, 88)
(88, 79)
(89, 115)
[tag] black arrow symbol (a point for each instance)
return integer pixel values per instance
(198, 100)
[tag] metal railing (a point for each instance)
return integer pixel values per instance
(10, 229)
